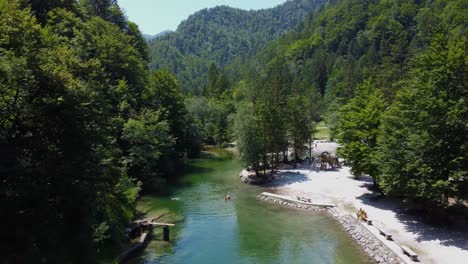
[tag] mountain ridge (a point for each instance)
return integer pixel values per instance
(220, 35)
(149, 37)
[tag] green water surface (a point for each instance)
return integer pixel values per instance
(244, 230)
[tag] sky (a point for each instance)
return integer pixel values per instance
(154, 16)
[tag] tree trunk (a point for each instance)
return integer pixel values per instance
(295, 157)
(310, 151)
(272, 166)
(277, 161)
(376, 186)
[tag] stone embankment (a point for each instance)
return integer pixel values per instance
(372, 246)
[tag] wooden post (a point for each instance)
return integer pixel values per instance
(166, 233)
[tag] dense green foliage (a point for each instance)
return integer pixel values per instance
(83, 126)
(363, 55)
(359, 126)
(213, 112)
(208, 41)
(354, 60)
(222, 35)
(279, 114)
(423, 139)
(84, 123)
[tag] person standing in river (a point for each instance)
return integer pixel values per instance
(227, 197)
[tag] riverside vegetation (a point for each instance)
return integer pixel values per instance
(406, 124)
(85, 125)
(91, 115)
(388, 77)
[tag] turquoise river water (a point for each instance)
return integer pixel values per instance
(244, 230)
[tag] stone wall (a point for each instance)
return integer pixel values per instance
(373, 247)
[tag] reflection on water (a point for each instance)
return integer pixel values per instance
(244, 230)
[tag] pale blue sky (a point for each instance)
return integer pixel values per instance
(154, 16)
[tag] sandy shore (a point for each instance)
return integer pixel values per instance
(433, 245)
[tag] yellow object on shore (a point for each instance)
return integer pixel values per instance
(361, 215)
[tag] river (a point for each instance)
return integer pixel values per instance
(244, 230)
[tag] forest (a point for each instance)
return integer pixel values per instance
(85, 127)
(92, 115)
(222, 35)
(388, 77)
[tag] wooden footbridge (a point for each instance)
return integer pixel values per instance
(141, 231)
(146, 224)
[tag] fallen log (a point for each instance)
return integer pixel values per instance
(142, 243)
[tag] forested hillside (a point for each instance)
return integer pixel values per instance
(390, 79)
(221, 35)
(84, 125)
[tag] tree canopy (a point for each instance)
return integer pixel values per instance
(222, 35)
(388, 78)
(422, 143)
(84, 125)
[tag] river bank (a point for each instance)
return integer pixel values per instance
(209, 229)
(432, 244)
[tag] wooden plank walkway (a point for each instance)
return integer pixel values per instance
(150, 222)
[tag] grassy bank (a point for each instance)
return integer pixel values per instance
(323, 132)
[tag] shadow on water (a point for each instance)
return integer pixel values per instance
(206, 164)
(194, 168)
(197, 166)
(213, 153)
